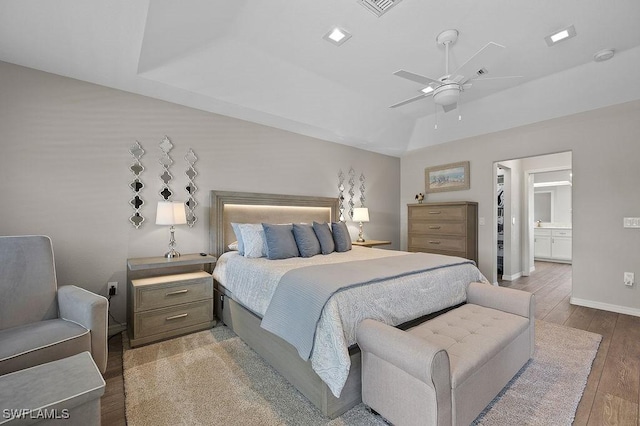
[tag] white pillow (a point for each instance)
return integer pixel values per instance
(233, 246)
(255, 243)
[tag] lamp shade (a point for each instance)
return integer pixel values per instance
(361, 214)
(171, 213)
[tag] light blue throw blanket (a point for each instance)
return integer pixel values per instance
(302, 293)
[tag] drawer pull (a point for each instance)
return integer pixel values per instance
(177, 316)
(434, 242)
(434, 227)
(435, 212)
(177, 292)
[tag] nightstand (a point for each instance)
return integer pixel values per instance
(168, 297)
(371, 243)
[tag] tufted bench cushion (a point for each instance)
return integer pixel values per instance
(446, 370)
(471, 335)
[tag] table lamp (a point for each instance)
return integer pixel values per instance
(361, 214)
(171, 213)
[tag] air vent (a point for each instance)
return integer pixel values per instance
(378, 7)
(482, 71)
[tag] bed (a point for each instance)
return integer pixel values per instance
(330, 378)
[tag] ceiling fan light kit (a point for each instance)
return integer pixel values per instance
(447, 94)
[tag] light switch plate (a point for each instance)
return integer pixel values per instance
(481, 221)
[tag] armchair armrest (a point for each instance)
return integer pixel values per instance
(418, 357)
(509, 300)
(90, 311)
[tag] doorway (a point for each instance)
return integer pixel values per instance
(515, 222)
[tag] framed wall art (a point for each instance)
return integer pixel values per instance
(447, 177)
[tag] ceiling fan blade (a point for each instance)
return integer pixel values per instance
(406, 101)
(451, 107)
(494, 83)
(482, 59)
(416, 77)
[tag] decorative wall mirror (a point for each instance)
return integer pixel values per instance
(352, 184)
(341, 195)
(136, 185)
(191, 187)
(166, 162)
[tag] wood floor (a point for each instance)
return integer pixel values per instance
(612, 395)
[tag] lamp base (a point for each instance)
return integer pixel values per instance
(171, 254)
(360, 235)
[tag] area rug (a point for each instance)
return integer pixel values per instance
(214, 378)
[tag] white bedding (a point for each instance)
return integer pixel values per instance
(253, 281)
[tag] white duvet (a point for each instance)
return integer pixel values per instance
(253, 282)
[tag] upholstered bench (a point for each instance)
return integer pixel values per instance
(445, 371)
(65, 392)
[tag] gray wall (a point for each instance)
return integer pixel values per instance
(605, 151)
(64, 172)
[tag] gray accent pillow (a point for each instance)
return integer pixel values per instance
(306, 240)
(236, 230)
(323, 232)
(341, 236)
(280, 241)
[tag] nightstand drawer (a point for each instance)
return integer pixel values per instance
(163, 320)
(438, 213)
(170, 290)
(417, 242)
(438, 228)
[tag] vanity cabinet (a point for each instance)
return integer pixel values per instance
(553, 244)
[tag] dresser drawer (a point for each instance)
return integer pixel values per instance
(438, 213)
(418, 242)
(438, 228)
(170, 290)
(159, 321)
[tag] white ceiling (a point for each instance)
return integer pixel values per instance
(266, 61)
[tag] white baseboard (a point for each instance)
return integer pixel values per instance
(511, 277)
(116, 328)
(605, 306)
(531, 269)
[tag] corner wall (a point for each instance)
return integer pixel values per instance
(605, 152)
(64, 172)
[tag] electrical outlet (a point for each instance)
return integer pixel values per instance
(628, 279)
(113, 288)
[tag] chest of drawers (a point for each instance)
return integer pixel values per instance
(445, 228)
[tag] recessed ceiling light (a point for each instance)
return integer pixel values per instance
(337, 36)
(427, 90)
(558, 36)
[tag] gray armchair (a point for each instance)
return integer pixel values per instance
(40, 322)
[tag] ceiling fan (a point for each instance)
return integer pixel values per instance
(446, 89)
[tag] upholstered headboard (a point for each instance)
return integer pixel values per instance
(248, 207)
